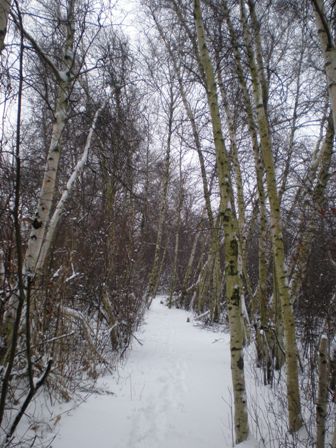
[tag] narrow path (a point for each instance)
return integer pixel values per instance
(172, 392)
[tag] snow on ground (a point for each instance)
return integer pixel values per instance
(174, 391)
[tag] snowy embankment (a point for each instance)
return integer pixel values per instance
(173, 391)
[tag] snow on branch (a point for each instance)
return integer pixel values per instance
(66, 193)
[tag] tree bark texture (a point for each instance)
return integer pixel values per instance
(48, 189)
(260, 295)
(259, 92)
(320, 174)
(329, 51)
(231, 252)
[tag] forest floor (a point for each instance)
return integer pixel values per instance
(174, 390)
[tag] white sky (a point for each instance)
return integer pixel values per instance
(125, 13)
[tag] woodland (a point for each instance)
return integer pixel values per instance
(194, 156)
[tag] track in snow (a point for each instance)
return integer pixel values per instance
(171, 392)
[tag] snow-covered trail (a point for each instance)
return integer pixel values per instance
(172, 392)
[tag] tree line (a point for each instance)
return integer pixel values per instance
(200, 163)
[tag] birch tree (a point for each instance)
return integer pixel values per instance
(232, 274)
(24, 311)
(65, 79)
(260, 100)
(318, 175)
(168, 100)
(328, 49)
(180, 198)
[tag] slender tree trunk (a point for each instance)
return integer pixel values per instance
(308, 228)
(155, 272)
(260, 98)
(193, 267)
(109, 213)
(208, 290)
(12, 326)
(174, 278)
(48, 189)
(322, 400)
(232, 274)
(293, 129)
(277, 337)
(246, 284)
(111, 319)
(210, 273)
(329, 51)
(60, 207)
(217, 287)
(191, 118)
(260, 296)
(160, 270)
(42, 215)
(188, 272)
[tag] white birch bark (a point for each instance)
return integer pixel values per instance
(54, 221)
(191, 118)
(41, 218)
(48, 188)
(259, 303)
(210, 273)
(259, 168)
(281, 275)
(294, 124)
(329, 51)
(319, 175)
(232, 274)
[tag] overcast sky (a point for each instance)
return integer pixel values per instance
(126, 14)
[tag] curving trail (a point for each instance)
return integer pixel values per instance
(171, 392)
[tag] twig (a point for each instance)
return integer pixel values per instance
(48, 341)
(138, 340)
(202, 315)
(28, 399)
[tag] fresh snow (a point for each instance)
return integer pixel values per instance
(173, 391)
